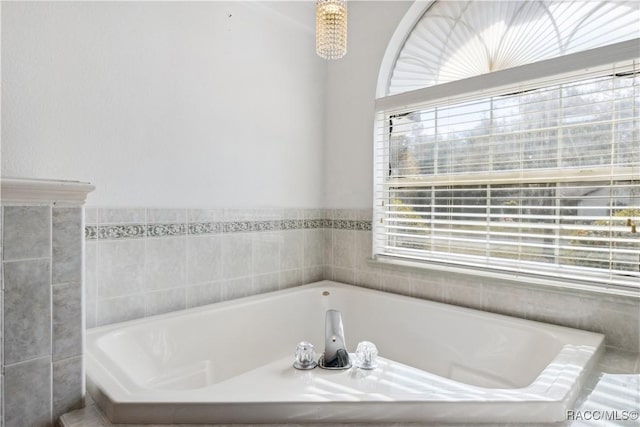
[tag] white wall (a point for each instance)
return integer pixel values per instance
(166, 104)
(350, 103)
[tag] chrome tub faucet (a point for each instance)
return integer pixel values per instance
(335, 354)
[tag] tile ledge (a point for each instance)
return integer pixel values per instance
(44, 191)
(528, 282)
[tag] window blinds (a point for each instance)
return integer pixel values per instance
(538, 178)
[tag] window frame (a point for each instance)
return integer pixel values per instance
(591, 62)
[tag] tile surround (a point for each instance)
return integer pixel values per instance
(229, 253)
(164, 263)
(66, 245)
(119, 268)
(27, 397)
(26, 232)
(204, 259)
(41, 313)
(67, 321)
(67, 379)
(119, 309)
(209, 256)
(141, 262)
(165, 301)
(27, 311)
(203, 294)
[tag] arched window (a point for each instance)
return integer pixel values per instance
(508, 142)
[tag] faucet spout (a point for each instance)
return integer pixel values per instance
(335, 350)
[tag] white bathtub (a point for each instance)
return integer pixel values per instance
(232, 362)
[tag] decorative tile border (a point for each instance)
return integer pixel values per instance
(205, 228)
(348, 224)
(293, 224)
(91, 232)
(266, 225)
(237, 226)
(314, 223)
(114, 232)
(132, 231)
(162, 230)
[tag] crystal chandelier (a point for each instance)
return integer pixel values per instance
(331, 28)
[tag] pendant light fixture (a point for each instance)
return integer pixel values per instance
(331, 28)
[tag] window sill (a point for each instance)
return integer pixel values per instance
(522, 280)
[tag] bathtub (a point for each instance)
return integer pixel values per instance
(231, 362)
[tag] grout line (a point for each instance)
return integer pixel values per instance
(7, 261)
(22, 362)
(51, 308)
(75, 356)
(2, 322)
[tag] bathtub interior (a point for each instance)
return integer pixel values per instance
(203, 347)
(471, 347)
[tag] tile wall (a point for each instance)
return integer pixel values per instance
(142, 262)
(42, 313)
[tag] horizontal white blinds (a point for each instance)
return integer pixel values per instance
(543, 180)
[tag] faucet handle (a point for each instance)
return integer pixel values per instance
(305, 356)
(366, 355)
